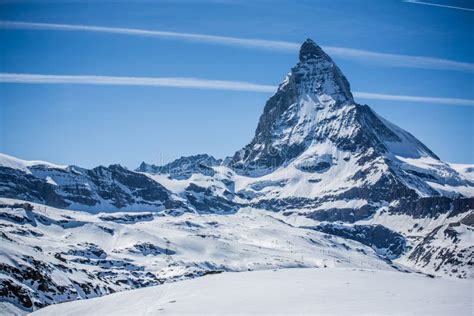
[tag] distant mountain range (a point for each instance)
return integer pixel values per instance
(320, 165)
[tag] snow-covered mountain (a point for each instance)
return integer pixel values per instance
(324, 182)
(324, 147)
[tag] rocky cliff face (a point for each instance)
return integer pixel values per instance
(184, 167)
(99, 189)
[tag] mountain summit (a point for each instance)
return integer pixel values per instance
(314, 105)
(310, 50)
(320, 74)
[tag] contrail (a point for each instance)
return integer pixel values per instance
(415, 99)
(438, 5)
(198, 83)
(365, 56)
(174, 82)
(225, 40)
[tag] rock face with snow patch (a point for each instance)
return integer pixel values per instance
(98, 189)
(384, 241)
(184, 167)
(447, 249)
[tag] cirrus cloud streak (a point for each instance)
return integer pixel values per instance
(438, 5)
(199, 83)
(365, 56)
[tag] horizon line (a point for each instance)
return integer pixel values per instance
(200, 83)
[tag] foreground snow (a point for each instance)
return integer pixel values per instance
(49, 255)
(304, 291)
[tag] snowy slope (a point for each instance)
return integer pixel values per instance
(48, 255)
(283, 292)
(465, 169)
(15, 163)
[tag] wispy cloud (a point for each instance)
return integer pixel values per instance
(399, 60)
(365, 56)
(175, 82)
(198, 83)
(438, 5)
(414, 99)
(224, 40)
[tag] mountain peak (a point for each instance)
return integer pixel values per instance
(317, 74)
(300, 113)
(314, 105)
(310, 50)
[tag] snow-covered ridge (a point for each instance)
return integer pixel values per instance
(23, 165)
(467, 170)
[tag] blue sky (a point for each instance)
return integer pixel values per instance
(90, 125)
